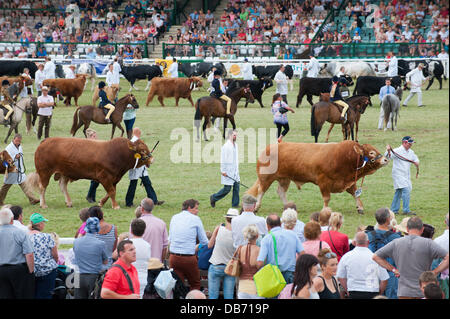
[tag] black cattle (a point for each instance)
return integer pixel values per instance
(433, 68)
(256, 86)
(315, 86)
(59, 71)
(371, 85)
(436, 69)
(140, 72)
(201, 69)
(269, 71)
(15, 68)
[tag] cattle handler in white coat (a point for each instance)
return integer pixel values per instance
(313, 67)
(247, 72)
(229, 168)
(403, 157)
(173, 69)
(415, 78)
(15, 150)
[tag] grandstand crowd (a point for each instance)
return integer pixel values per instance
(257, 23)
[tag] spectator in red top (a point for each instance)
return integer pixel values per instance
(115, 285)
(337, 241)
(242, 37)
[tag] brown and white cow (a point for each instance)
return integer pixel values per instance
(68, 87)
(334, 167)
(173, 87)
(72, 159)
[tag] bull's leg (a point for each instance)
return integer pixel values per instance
(259, 99)
(359, 205)
(76, 100)
(149, 97)
(190, 100)
(43, 183)
(283, 186)
(326, 196)
(161, 100)
(430, 83)
(299, 100)
(63, 181)
(329, 131)
(148, 85)
(110, 193)
(309, 98)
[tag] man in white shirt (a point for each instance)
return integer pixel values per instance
(407, 33)
(173, 69)
(229, 169)
(18, 218)
(45, 104)
(403, 157)
(247, 217)
(110, 75)
(247, 72)
(49, 68)
(116, 71)
(70, 73)
(313, 67)
(415, 78)
(282, 83)
(443, 240)
(392, 64)
(359, 275)
(39, 77)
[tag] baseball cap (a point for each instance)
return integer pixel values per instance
(37, 218)
(408, 139)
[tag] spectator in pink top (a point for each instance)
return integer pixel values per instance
(313, 244)
(155, 231)
(84, 215)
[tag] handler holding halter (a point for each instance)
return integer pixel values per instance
(218, 90)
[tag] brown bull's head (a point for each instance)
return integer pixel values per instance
(7, 162)
(370, 158)
(195, 82)
(141, 152)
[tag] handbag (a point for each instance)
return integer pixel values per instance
(164, 284)
(269, 280)
(233, 267)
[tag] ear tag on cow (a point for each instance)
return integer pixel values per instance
(358, 192)
(5, 163)
(137, 156)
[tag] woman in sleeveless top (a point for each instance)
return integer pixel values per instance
(303, 286)
(107, 234)
(326, 283)
(247, 256)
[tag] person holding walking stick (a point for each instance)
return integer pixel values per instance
(229, 168)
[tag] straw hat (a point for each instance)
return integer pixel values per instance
(402, 226)
(155, 263)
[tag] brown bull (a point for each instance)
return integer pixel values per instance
(334, 167)
(173, 87)
(68, 87)
(74, 158)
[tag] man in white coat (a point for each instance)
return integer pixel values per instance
(229, 168)
(392, 65)
(49, 68)
(39, 77)
(70, 73)
(403, 157)
(142, 173)
(116, 72)
(313, 67)
(247, 70)
(282, 83)
(415, 78)
(173, 69)
(15, 150)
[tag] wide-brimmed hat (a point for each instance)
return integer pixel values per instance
(72, 66)
(44, 88)
(402, 226)
(155, 263)
(232, 212)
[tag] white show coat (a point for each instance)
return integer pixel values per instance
(15, 178)
(109, 78)
(401, 169)
(247, 71)
(313, 68)
(116, 72)
(39, 77)
(49, 70)
(393, 67)
(229, 163)
(139, 172)
(70, 74)
(173, 70)
(282, 84)
(416, 78)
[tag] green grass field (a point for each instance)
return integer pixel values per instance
(176, 182)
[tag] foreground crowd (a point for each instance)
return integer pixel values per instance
(315, 259)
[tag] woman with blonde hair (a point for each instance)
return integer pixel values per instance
(247, 257)
(326, 283)
(337, 241)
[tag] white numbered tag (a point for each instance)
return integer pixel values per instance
(344, 93)
(358, 192)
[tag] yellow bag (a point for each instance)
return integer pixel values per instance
(269, 280)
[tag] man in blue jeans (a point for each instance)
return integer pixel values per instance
(402, 157)
(229, 168)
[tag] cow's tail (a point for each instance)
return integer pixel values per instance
(32, 183)
(75, 121)
(254, 189)
(313, 122)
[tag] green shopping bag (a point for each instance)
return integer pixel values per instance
(269, 280)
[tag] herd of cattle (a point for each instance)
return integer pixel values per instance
(99, 160)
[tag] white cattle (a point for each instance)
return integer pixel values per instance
(354, 69)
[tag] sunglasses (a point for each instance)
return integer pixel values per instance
(330, 255)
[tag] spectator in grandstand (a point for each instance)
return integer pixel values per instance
(185, 227)
(410, 266)
(91, 54)
(337, 241)
(107, 233)
(90, 254)
(116, 285)
(45, 257)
